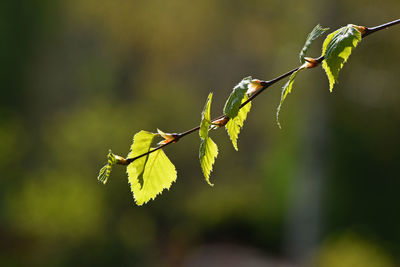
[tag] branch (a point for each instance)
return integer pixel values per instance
(380, 27)
(265, 84)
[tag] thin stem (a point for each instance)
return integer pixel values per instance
(381, 27)
(129, 160)
(265, 85)
(179, 136)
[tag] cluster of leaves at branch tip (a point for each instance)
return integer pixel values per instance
(287, 88)
(336, 49)
(151, 171)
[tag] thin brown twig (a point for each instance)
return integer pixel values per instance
(265, 85)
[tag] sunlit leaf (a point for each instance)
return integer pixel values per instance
(337, 48)
(206, 118)
(234, 101)
(105, 172)
(286, 89)
(208, 149)
(208, 153)
(234, 125)
(158, 174)
(151, 174)
(314, 34)
(141, 144)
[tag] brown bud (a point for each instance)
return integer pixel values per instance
(120, 160)
(254, 86)
(311, 62)
(168, 137)
(361, 29)
(221, 122)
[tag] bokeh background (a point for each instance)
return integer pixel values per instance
(79, 77)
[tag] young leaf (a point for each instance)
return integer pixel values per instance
(234, 101)
(208, 149)
(151, 174)
(105, 172)
(141, 144)
(307, 63)
(234, 125)
(206, 118)
(287, 88)
(337, 48)
(207, 154)
(158, 174)
(314, 34)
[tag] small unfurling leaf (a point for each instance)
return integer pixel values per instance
(314, 34)
(105, 172)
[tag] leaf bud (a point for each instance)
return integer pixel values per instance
(254, 86)
(361, 29)
(310, 62)
(168, 137)
(220, 122)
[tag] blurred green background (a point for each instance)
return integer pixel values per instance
(81, 76)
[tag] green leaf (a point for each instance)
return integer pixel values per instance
(105, 172)
(234, 101)
(141, 144)
(314, 34)
(158, 174)
(234, 125)
(337, 48)
(151, 174)
(208, 149)
(286, 89)
(208, 153)
(206, 118)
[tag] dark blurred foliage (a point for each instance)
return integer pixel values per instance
(82, 76)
